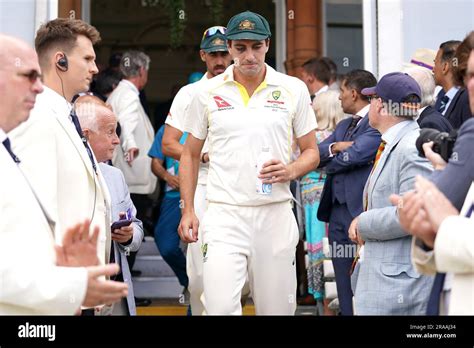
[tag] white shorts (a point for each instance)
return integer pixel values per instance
(258, 242)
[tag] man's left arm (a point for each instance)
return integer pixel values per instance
(383, 223)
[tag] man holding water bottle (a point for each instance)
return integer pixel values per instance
(251, 113)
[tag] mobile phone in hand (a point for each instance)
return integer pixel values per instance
(119, 224)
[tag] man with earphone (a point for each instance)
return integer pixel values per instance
(60, 165)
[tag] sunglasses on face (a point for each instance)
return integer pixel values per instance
(32, 76)
(373, 96)
(213, 30)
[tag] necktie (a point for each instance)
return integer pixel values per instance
(444, 102)
(7, 145)
(376, 161)
(354, 122)
(377, 158)
(75, 121)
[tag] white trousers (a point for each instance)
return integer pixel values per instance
(194, 256)
(254, 242)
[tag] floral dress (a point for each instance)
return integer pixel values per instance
(311, 189)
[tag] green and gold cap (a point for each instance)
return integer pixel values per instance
(214, 39)
(248, 26)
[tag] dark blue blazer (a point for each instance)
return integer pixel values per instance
(430, 118)
(347, 171)
(455, 180)
(459, 111)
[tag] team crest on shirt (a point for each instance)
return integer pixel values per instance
(222, 104)
(275, 101)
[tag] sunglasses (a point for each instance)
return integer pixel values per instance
(32, 76)
(213, 30)
(373, 96)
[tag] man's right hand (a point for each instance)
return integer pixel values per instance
(188, 228)
(101, 292)
(341, 146)
(131, 154)
(173, 181)
(436, 160)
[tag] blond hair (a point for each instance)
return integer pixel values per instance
(328, 110)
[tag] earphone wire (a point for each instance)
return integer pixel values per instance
(84, 140)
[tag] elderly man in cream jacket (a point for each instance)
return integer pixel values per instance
(137, 133)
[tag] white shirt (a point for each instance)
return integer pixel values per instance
(239, 126)
(321, 90)
(177, 116)
(363, 112)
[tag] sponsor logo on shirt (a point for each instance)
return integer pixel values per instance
(222, 104)
(274, 102)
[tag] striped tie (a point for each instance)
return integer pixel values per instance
(377, 158)
(379, 154)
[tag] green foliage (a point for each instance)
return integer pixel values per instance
(177, 16)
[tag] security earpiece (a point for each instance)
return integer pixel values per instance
(62, 63)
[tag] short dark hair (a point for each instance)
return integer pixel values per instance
(359, 79)
(448, 49)
(62, 33)
(461, 57)
(318, 68)
(106, 81)
(331, 65)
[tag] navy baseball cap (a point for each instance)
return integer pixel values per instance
(395, 87)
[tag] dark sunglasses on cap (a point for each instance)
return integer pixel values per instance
(213, 30)
(32, 76)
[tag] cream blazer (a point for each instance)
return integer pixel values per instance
(137, 132)
(453, 253)
(58, 167)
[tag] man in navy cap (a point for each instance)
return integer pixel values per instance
(246, 112)
(385, 281)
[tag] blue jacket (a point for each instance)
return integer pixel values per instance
(347, 171)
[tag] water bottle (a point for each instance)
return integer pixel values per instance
(265, 156)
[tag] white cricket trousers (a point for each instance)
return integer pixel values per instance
(258, 242)
(194, 256)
